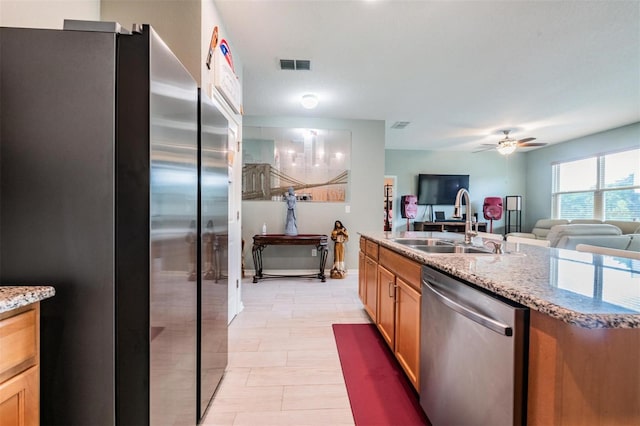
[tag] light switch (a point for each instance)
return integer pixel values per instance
(347, 209)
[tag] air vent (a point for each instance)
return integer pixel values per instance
(399, 125)
(303, 64)
(287, 64)
(295, 64)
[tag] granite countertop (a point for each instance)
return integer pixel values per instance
(583, 289)
(12, 297)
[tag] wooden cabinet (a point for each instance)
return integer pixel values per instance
(19, 366)
(407, 330)
(371, 287)
(368, 276)
(361, 277)
(386, 305)
(399, 299)
(581, 376)
(389, 287)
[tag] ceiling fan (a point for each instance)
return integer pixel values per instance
(508, 145)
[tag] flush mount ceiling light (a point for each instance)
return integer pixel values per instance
(309, 101)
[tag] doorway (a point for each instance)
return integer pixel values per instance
(388, 193)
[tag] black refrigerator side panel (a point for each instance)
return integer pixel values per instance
(56, 208)
(132, 231)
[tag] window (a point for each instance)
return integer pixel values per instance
(604, 187)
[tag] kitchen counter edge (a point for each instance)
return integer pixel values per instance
(13, 297)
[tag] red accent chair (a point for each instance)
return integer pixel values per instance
(492, 210)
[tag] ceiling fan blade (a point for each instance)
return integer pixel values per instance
(525, 145)
(487, 147)
(526, 140)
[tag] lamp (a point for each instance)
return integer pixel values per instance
(309, 101)
(507, 146)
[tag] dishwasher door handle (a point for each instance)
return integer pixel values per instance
(483, 320)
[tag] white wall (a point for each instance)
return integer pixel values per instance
(46, 13)
(490, 175)
(366, 179)
(538, 164)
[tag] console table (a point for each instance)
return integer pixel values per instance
(261, 241)
(447, 226)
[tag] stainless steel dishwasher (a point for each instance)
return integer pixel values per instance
(472, 355)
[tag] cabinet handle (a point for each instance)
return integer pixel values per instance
(391, 289)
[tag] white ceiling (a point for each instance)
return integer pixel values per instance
(458, 71)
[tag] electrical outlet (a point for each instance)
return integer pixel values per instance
(314, 252)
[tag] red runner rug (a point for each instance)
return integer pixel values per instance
(379, 392)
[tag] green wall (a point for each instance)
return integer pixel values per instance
(490, 175)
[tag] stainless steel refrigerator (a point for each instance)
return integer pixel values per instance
(111, 187)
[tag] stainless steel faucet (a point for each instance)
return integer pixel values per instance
(468, 227)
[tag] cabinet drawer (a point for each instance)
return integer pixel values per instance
(402, 267)
(18, 343)
(372, 250)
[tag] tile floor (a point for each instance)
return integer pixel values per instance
(283, 366)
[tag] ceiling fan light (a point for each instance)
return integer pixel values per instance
(309, 101)
(507, 147)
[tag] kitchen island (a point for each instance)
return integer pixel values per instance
(20, 353)
(584, 331)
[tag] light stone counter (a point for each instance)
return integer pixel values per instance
(12, 297)
(583, 289)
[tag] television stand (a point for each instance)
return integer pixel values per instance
(447, 226)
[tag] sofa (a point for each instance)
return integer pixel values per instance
(561, 233)
(540, 229)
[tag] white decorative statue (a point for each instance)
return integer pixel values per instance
(290, 227)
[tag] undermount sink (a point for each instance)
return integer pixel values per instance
(438, 245)
(422, 241)
(453, 249)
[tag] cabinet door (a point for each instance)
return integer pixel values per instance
(371, 291)
(362, 282)
(19, 399)
(407, 344)
(386, 305)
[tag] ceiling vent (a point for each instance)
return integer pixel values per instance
(287, 64)
(303, 64)
(399, 125)
(295, 64)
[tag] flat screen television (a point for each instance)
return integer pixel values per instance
(440, 189)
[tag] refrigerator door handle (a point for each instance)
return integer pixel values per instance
(483, 320)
